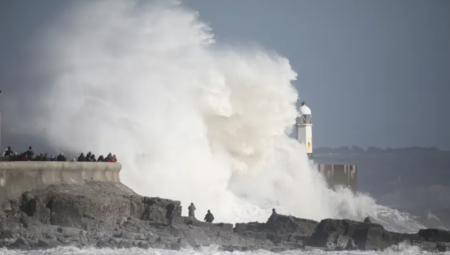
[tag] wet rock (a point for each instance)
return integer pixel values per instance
(48, 243)
(428, 246)
(21, 244)
(443, 247)
(435, 235)
(5, 232)
(121, 221)
(347, 234)
(111, 215)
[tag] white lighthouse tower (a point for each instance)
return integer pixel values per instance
(304, 128)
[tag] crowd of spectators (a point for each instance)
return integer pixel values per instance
(29, 155)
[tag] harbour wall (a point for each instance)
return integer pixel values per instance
(340, 174)
(20, 176)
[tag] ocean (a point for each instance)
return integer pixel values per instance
(397, 250)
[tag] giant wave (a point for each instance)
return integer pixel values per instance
(189, 117)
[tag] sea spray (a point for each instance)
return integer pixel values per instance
(188, 117)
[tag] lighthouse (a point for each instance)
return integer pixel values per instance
(304, 128)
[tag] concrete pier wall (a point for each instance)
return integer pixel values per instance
(18, 177)
(338, 174)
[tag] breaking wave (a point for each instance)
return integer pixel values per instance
(399, 249)
(190, 118)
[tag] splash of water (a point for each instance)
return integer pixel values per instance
(189, 117)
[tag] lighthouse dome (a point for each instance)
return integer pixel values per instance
(304, 110)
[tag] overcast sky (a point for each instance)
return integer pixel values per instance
(373, 72)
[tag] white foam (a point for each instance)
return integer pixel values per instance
(188, 117)
(401, 249)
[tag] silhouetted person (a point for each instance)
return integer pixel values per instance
(61, 157)
(81, 158)
(30, 153)
(91, 158)
(111, 158)
(101, 158)
(88, 156)
(191, 209)
(8, 152)
(273, 218)
(170, 213)
(367, 220)
(209, 217)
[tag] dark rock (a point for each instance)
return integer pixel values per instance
(435, 235)
(111, 215)
(224, 226)
(428, 246)
(65, 212)
(443, 247)
(347, 234)
(20, 243)
(48, 243)
(5, 232)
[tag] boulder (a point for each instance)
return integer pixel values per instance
(435, 235)
(347, 235)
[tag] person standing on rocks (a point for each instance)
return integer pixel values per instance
(191, 209)
(209, 217)
(273, 218)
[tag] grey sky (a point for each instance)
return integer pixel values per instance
(373, 72)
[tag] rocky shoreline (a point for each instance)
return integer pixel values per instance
(101, 215)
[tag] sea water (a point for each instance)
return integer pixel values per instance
(398, 250)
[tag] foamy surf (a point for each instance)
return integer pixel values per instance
(190, 118)
(400, 249)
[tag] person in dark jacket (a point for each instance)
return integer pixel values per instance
(9, 152)
(61, 157)
(88, 156)
(101, 158)
(273, 217)
(209, 217)
(81, 158)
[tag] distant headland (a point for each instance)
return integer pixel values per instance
(373, 149)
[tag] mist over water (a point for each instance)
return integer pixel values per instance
(188, 117)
